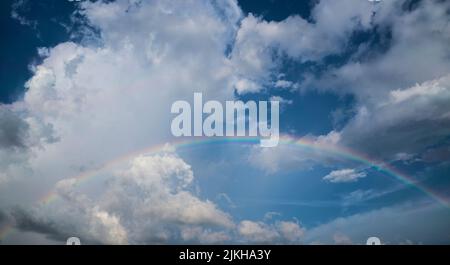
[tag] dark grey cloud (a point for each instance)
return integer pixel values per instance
(3, 217)
(402, 92)
(24, 220)
(13, 129)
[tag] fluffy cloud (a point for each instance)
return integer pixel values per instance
(18, 134)
(344, 175)
(259, 232)
(89, 103)
(260, 44)
(400, 90)
(85, 102)
(15, 139)
(149, 202)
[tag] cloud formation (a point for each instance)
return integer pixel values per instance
(90, 102)
(344, 175)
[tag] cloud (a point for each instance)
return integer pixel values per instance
(19, 134)
(399, 73)
(279, 158)
(149, 202)
(87, 104)
(344, 175)
(19, 7)
(283, 84)
(400, 84)
(281, 100)
(359, 196)
(80, 109)
(419, 114)
(341, 239)
(291, 231)
(91, 102)
(281, 231)
(246, 86)
(260, 44)
(13, 129)
(284, 158)
(420, 223)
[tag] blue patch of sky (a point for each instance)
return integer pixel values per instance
(297, 193)
(46, 27)
(277, 10)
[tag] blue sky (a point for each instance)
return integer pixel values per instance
(85, 85)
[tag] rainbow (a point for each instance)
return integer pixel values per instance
(302, 143)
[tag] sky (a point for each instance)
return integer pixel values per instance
(86, 148)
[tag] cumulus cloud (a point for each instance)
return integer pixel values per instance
(260, 44)
(121, 85)
(281, 231)
(344, 175)
(400, 90)
(16, 137)
(88, 104)
(149, 202)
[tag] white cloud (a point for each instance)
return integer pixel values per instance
(427, 89)
(246, 86)
(275, 159)
(259, 232)
(85, 102)
(281, 100)
(88, 104)
(344, 175)
(400, 89)
(283, 84)
(260, 43)
(149, 202)
(291, 231)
